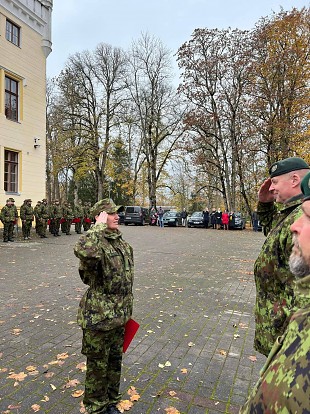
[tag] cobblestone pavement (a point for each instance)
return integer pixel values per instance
(194, 297)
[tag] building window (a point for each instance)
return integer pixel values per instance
(11, 99)
(12, 33)
(11, 171)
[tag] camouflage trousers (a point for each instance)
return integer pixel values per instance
(26, 227)
(104, 350)
(78, 226)
(8, 229)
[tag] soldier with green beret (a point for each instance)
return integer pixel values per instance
(107, 267)
(279, 201)
(284, 383)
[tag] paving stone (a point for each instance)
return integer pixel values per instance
(188, 292)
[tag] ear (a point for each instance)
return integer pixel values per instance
(295, 180)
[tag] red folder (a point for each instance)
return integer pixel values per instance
(131, 328)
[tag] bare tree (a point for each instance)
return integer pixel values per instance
(158, 108)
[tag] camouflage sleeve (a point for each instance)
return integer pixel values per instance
(284, 384)
(266, 213)
(88, 247)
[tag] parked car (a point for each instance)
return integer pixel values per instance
(136, 215)
(172, 218)
(195, 220)
(239, 222)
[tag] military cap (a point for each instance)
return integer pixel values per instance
(305, 186)
(105, 205)
(287, 165)
(12, 199)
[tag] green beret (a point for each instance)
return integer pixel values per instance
(305, 186)
(287, 165)
(105, 205)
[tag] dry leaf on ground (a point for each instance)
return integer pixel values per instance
(18, 377)
(81, 366)
(71, 383)
(172, 410)
(35, 407)
(77, 393)
(124, 405)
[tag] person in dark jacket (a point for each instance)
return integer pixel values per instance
(213, 218)
(107, 266)
(218, 216)
(206, 217)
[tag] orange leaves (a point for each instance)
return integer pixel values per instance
(17, 377)
(77, 393)
(125, 405)
(172, 410)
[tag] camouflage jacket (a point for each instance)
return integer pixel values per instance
(106, 265)
(43, 212)
(284, 384)
(8, 213)
(26, 212)
(67, 213)
(273, 279)
(78, 211)
(56, 211)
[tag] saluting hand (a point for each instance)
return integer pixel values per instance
(102, 217)
(264, 195)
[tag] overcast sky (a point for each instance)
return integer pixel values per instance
(79, 25)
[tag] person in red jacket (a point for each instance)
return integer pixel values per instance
(225, 219)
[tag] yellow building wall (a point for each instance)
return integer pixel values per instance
(27, 64)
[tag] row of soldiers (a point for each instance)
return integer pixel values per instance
(58, 217)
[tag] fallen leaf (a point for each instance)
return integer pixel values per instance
(135, 397)
(222, 352)
(191, 344)
(124, 405)
(45, 398)
(35, 407)
(53, 387)
(132, 391)
(71, 383)
(16, 331)
(172, 393)
(18, 377)
(243, 325)
(184, 370)
(64, 355)
(252, 358)
(77, 393)
(172, 410)
(81, 366)
(31, 368)
(49, 374)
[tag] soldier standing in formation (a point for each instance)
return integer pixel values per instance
(78, 215)
(87, 216)
(8, 217)
(26, 216)
(67, 214)
(284, 383)
(273, 278)
(36, 215)
(106, 265)
(43, 216)
(56, 215)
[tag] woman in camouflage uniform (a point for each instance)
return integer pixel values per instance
(106, 265)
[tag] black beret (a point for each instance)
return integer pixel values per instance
(287, 165)
(305, 186)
